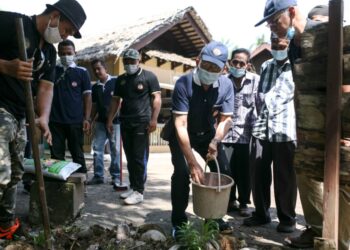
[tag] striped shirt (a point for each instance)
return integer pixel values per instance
(244, 112)
(275, 104)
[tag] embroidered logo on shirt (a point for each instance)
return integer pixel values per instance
(74, 84)
(140, 86)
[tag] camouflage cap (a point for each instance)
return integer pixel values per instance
(131, 53)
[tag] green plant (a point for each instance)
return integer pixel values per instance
(39, 240)
(194, 239)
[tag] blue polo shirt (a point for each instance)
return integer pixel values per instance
(69, 88)
(202, 106)
(102, 94)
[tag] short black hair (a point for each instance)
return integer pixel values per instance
(102, 62)
(241, 50)
(66, 42)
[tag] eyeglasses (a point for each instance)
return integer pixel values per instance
(236, 63)
(274, 20)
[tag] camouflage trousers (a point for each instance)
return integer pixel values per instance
(12, 143)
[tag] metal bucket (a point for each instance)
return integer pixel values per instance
(210, 200)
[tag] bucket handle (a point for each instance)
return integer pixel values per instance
(218, 169)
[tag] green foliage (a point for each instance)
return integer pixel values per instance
(194, 239)
(39, 240)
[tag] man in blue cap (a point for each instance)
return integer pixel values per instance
(200, 99)
(285, 19)
(139, 91)
(57, 22)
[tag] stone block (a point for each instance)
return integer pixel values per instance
(64, 199)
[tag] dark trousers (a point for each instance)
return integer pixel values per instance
(73, 133)
(281, 154)
(180, 180)
(136, 147)
(238, 155)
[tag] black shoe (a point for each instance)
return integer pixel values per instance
(223, 226)
(244, 210)
(254, 221)
(304, 240)
(95, 181)
(233, 206)
(285, 228)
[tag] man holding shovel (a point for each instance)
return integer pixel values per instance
(56, 23)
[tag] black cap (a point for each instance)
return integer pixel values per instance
(73, 11)
(272, 7)
(319, 10)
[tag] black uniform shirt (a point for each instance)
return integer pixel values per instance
(136, 91)
(12, 95)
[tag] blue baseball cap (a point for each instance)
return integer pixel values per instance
(215, 52)
(274, 6)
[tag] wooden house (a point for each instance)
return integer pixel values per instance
(168, 44)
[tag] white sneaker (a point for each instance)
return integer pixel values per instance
(126, 194)
(134, 198)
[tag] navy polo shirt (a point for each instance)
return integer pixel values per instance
(102, 95)
(69, 88)
(202, 106)
(12, 93)
(136, 90)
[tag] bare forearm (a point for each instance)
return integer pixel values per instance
(87, 106)
(113, 108)
(44, 99)
(156, 104)
(223, 127)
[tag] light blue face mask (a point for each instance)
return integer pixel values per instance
(206, 77)
(238, 73)
(131, 68)
(280, 55)
(290, 33)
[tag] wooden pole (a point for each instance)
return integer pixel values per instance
(332, 147)
(34, 136)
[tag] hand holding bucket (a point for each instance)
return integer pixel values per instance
(210, 199)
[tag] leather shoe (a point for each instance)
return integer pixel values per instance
(285, 228)
(254, 221)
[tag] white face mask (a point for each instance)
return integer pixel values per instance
(280, 55)
(67, 60)
(131, 68)
(52, 35)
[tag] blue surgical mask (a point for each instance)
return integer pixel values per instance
(206, 77)
(131, 68)
(238, 73)
(290, 33)
(279, 55)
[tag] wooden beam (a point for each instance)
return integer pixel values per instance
(197, 28)
(332, 149)
(187, 67)
(160, 62)
(175, 64)
(145, 57)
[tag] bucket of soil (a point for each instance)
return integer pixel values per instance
(210, 199)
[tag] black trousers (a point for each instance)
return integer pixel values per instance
(136, 147)
(281, 154)
(238, 155)
(73, 133)
(180, 180)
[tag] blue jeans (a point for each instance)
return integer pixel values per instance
(101, 135)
